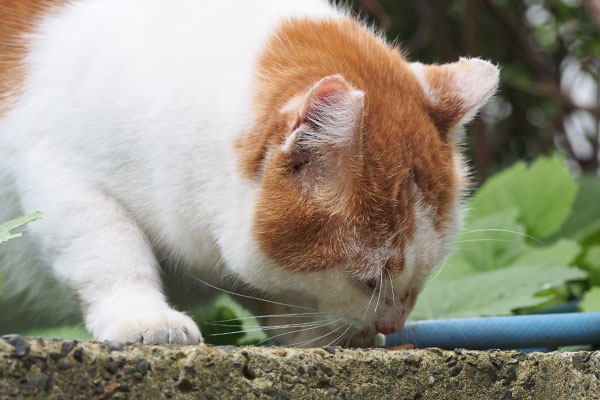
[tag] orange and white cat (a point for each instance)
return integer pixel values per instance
(278, 144)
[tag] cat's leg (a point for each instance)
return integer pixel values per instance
(99, 252)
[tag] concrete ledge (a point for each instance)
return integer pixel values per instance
(57, 369)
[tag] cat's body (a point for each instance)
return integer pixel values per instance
(152, 133)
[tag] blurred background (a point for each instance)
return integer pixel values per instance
(549, 52)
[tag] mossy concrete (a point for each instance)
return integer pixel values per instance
(37, 368)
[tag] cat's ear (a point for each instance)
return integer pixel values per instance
(326, 118)
(456, 91)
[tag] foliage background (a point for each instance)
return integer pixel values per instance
(549, 52)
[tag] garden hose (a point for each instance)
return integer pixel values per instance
(546, 331)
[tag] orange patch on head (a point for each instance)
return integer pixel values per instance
(17, 18)
(365, 178)
(367, 202)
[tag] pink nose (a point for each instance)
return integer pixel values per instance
(385, 327)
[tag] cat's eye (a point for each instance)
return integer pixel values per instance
(372, 283)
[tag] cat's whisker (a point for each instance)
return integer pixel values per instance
(298, 315)
(348, 341)
(300, 344)
(250, 297)
(500, 230)
(297, 330)
(369, 305)
(340, 337)
(268, 328)
(440, 269)
(385, 286)
(392, 285)
(485, 240)
(379, 294)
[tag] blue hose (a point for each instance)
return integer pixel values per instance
(514, 332)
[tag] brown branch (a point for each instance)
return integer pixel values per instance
(593, 8)
(469, 38)
(546, 82)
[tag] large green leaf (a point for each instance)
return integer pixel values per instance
(487, 243)
(7, 227)
(591, 300)
(584, 221)
(487, 293)
(543, 193)
(563, 252)
(591, 262)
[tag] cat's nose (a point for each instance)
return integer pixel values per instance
(386, 327)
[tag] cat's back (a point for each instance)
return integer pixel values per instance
(41, 39)
(131, 81)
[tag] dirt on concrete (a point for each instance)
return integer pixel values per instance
(54, 369)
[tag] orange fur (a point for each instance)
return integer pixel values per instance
(17, 18)
(398, 146)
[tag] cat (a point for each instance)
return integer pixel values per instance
(275, 148)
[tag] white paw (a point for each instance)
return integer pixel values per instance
(150, 327)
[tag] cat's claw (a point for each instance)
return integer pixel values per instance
(158, 327)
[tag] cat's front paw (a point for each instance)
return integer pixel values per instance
(150, 327)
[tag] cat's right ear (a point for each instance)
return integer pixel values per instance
(326, 122)
(456, 91)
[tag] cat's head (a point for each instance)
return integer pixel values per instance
(361, 185)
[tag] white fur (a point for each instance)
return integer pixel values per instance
(123, 137)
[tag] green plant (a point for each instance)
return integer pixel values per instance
(7, 227)
(6, 234)
(511, 254)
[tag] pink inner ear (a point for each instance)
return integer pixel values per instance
(324, 91)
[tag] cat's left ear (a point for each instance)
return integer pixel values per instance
(455, 92)
(326, 118)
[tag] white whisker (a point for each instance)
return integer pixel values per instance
(250, 297)
(313, 340)
(440, 269)
(380, 284)
(485, 240)
(369, 305)
(297, 330)
(392, 285)
(341, 336)
(299, 315)
(500, 230)
(268, 328)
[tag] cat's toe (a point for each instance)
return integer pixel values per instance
(159, 327)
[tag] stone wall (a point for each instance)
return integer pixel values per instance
(37, 368)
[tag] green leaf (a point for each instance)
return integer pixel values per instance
(563, 252)
(7, 227)
(543, 193)
(591, 300)
(584, 221)
(244, 330)
(591, 262)
(487, 243)
(488, 293)
(68, 332)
